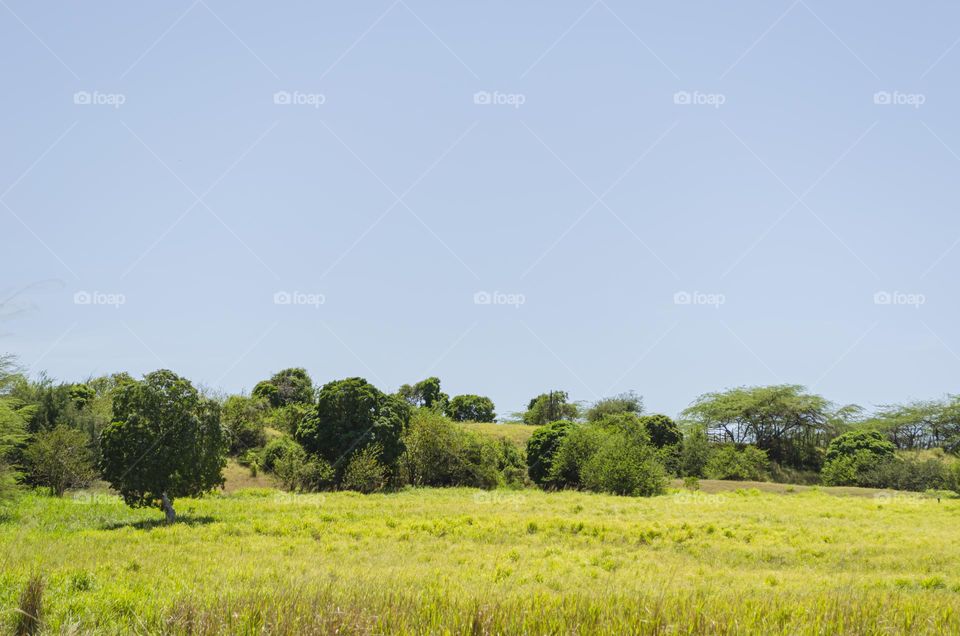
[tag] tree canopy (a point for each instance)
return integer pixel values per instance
(164, 442)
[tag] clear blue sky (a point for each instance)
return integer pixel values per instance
(628, 153)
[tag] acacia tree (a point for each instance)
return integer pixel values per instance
(164, 442)
(922, 424)
(783, 420)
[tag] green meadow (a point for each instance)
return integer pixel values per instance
(258, 560)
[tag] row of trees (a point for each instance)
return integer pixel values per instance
(160, 438)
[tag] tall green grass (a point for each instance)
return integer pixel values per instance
(498, 562)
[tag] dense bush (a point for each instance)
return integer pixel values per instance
(907, 471)
(575, 450)
(441, 453)
(624, 465)
(297, 471)
(243, 423)
(695, 450)
(852, 442)
(277, 449)
(541, 448)
(59, 459)
(744, 464)
(612, 454)
(365, 473)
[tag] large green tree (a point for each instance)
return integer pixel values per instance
(471, 408)
(352, 414)
(164, 442)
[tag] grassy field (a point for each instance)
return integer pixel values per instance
(459, 560)
(516, 433)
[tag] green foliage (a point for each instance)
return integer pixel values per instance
(743, 464)
(425, 393)
(550, 407)
(276, 449)
(299, 472)
(576, 448)
(471, 408)
(921, 425)
(14, 415)
(853, 442)
(165, 442)
(628, 402)
(783, 420)
(695, 452)
(365, 473)
(541, 448)
(440, 453)
(288, 418)
(289, 386)
(59, 459)
(243, 423)
(662, 430)
(624, 465)
(352, 415)
(906, 471)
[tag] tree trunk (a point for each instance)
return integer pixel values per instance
(168, 508)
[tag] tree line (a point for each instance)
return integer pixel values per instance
(159, 438)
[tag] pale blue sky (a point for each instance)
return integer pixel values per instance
(787, 193)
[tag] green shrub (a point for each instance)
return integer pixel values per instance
(441, 453)
(575, 450)
(695, 451)
(275, 450)
(242, 420)
(623, 466)
(365, 473)
(542, 447)
(746, 464)
(853, 442)
(59, 459)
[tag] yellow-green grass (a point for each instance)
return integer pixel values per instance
(516, 433)
(507, 562)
